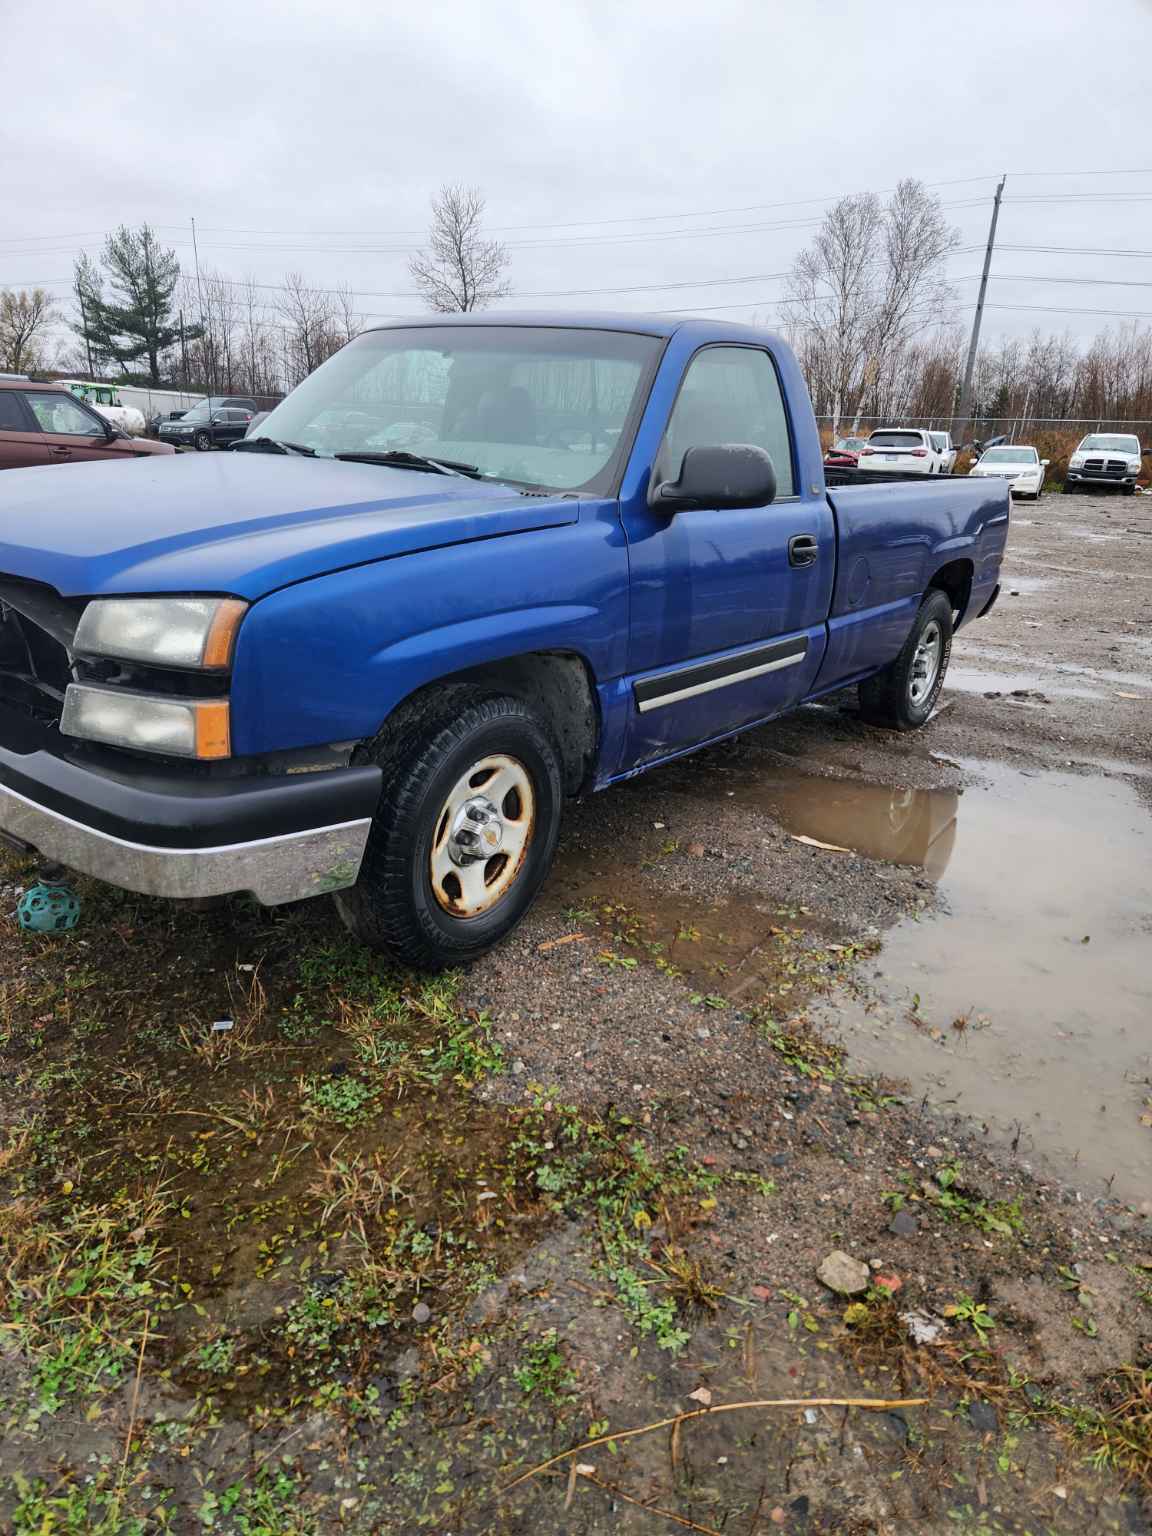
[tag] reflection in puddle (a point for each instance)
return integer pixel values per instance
(981, 680)
(1043, 958)
(902, 826)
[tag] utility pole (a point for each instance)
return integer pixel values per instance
(963, 417)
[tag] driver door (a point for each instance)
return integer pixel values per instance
(72, 431)
(728, 606)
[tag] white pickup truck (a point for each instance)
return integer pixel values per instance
(907, 451)
(1105, 458)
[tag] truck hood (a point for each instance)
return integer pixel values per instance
(244, 523)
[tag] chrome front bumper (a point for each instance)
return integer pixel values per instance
(274, 870)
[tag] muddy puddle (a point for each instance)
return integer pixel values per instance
(1052, 682)
(1027, 1003)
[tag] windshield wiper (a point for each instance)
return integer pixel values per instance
(400, 458)
(271, 445)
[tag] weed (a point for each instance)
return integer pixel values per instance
(346, 1099)
(545, 1369)
(975, 1313)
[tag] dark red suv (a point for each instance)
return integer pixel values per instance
(47, 424)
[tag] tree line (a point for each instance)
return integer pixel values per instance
(867, 307)
(871, 316)
(134, 313)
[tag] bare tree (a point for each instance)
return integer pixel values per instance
(349, 323)
(212, 345)
(308, 323)
(869, 285)
(914, 295)
(830, 302)
(24, 319)
(257, 345)
(460, 270)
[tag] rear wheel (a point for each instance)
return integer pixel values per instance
(464, 834)
(903, 696)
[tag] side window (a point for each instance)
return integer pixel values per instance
(11, 416)
(60, 413)
(730, 395)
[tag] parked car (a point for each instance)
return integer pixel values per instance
(214, 423)
(47, 424)
(907, 450)
(1021, 467)
(1105, 458)
(105, 399)
(844, 452)
(946, 451)
(324, 663)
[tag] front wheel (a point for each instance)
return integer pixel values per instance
(203, 441)
(464, 833)
(903, 696)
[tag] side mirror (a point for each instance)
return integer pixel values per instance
(1044, 463)
(727, 475)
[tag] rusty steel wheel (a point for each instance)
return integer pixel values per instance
(482, 836)
(465, 829)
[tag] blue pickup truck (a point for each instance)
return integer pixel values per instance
(470, 567)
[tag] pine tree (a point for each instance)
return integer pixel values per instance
(135, 322)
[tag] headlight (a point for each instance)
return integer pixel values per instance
(161, 631)
(1076, 461)
(177, 727)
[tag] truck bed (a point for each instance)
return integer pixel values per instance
(893, 532)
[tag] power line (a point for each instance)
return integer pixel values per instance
(1077, 250)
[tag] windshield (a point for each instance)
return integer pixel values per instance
(1110, 444)
(535, 405)
(896, 440)
(1010, 456)
(200, 412)
(848, 444)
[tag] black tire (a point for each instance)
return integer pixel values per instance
(424, 753)
(887, 699)
(202, 441)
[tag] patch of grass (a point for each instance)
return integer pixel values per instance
(946, 1193)
(92, 1507)
(81, 1282)
(545, 1369)
(345, 1099)
(1117, 1430)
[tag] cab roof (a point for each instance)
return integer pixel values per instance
(590, 320)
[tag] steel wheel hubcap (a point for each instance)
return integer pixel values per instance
(926, 663)
(482, 836)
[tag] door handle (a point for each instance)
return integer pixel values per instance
(803, 549)
(58, 452)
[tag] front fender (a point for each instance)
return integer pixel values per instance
(329, 659)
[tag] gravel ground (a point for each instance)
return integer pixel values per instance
(641, 1193)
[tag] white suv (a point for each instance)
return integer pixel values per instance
(905, 451)
(1105, 458)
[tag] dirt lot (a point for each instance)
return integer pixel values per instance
(367, 1259)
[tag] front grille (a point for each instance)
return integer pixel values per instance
(1096, 464)
(1115, 466)
(1105, 467)
(36, 627)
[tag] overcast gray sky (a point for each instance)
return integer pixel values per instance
(619, 146)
